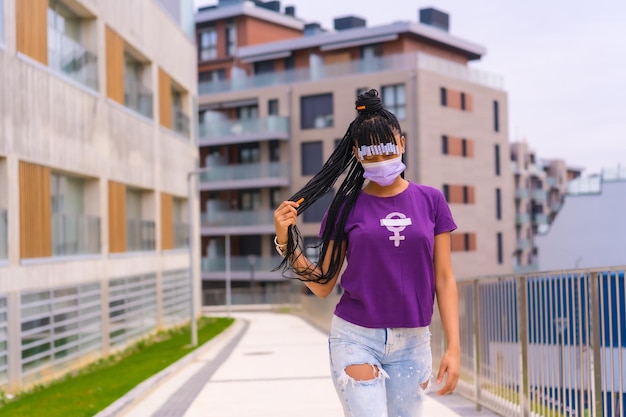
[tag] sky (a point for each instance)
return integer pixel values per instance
(563, 64)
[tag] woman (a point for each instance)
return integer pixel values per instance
(395, 236)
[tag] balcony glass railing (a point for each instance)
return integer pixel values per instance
(180, 121)
(540, 218)
(397, 62)
(237, 218)
(225, 128)
(140, 235)
(70, 58)
(552, 181)
(539, 195)
(522, 219)
(521, 193)
(181, 235)
(139, 100)
(75, 234)
(246, 172)
(523, 244)
(241, 263)
(3, 233)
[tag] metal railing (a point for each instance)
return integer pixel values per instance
(4, 234)
(74, 234)
(140, 235)
(539, 195)
(225, 128)
(540, 218)
(240, 263)
(71, 58)
(284, 293)
(544, 343)
(521, 193)
(139, 100)
(180, 121)
(396, 62)
(237, 218)
(256, 170)
(522, 218)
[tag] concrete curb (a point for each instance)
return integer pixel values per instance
(133, 396)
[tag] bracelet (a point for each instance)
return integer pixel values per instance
(280, 248)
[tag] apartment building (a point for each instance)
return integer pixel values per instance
(540, 188)
(275, 96)
(95, 146)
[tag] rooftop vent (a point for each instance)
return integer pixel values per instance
(269, 5)
(435, 18)
(314, 28)
(349, 22)
(290, 11)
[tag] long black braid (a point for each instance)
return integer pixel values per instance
(373, 125)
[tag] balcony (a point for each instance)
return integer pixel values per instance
(242, 268)
(555, 206)
(140, 235)
(396, 63)
(521, 193)
(522, 244)
(552, 182)
(217, 222)
(74, 234)
(71, 59)
(539, 195)
(522, 219)
(3, 235)
(241, 131)
(181, 235)
(257, 175)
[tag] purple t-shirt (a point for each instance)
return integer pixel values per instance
(389, 280)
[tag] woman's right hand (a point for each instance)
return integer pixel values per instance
(284, 216)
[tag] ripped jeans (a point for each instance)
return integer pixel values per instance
(400, 358)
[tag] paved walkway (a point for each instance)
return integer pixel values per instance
(265, 365)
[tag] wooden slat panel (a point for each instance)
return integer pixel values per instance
(457, 242)
(32, 29)
(114, 66)
(35, 211)
(167, 222)
(165, 99)
(117, 217)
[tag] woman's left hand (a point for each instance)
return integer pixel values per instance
(451, 365)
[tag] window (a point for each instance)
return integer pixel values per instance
(443, 95)
(275, 198)
(498, 204)
(444, 145)
(263, 67)
(272, 107)
(181, 226)
(466, 239)
(250, 200)
(212, 76)
(464, 147)
(136, 95)
(394, 99)
(465, 194)
(446, 192)
(67, 53)
(73, 232)
(140, 232)
(462, 101)
(496, 116)
(316, 111)
(371, 51)
(499, 240)
(497, 159)
(274, 146)
(312, 157)
(315, 212)
(248, 112)
(180, 119)
(290, 63)
(207, 44)
(231, 38)
(249, 154)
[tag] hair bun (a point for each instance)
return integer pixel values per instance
(369, 102)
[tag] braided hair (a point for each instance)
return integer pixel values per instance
(373, 125)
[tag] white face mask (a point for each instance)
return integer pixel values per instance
(385, 172)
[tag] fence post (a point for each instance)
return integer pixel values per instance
(596, 346)
(476, 342)
(522, 332)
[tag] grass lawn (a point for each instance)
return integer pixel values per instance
(89, 391)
